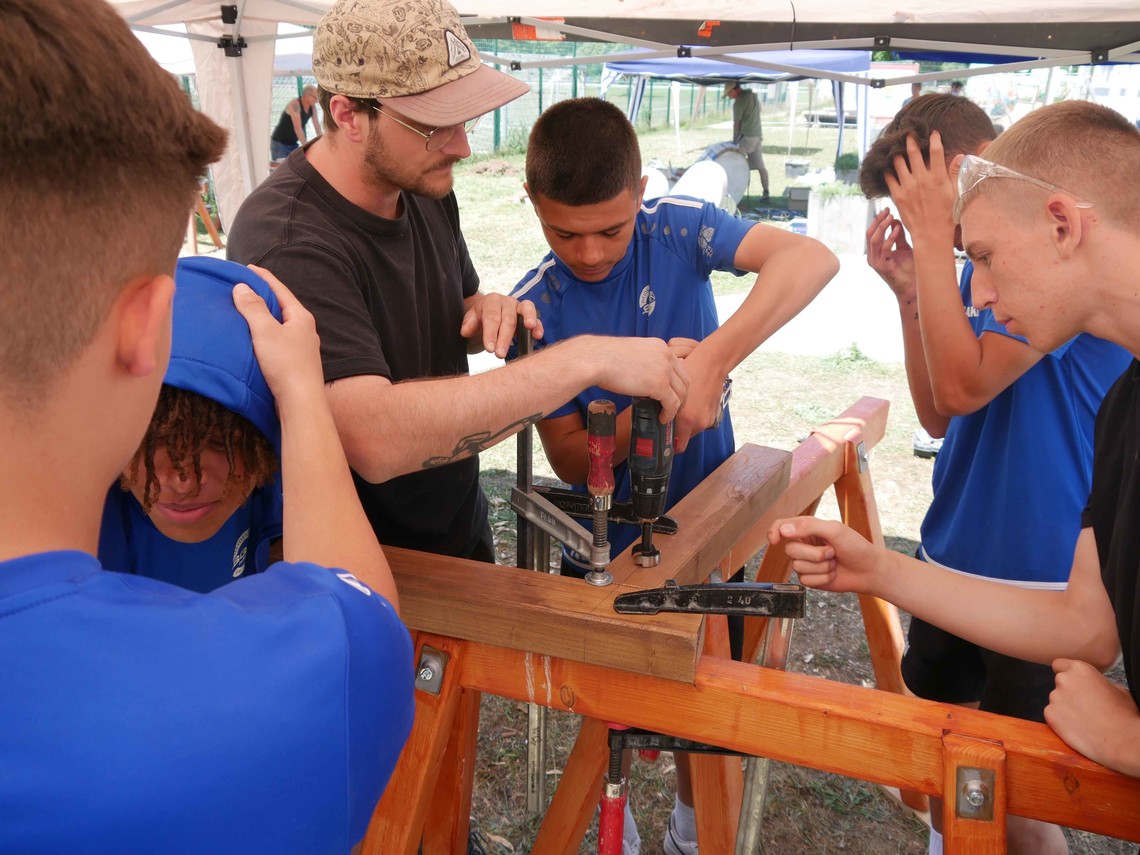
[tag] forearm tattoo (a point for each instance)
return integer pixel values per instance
(471, 445)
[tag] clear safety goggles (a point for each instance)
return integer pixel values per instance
(974, 170)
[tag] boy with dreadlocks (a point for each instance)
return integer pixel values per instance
(199, 504)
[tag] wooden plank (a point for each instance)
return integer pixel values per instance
(448, 821)
(863, 733)
(978, 836)
(568, 618)
(857, 508)
(547, 615)
(817, 463)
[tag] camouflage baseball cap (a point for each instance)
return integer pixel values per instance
(413, 54)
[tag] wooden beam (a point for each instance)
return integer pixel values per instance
(568, 618)
(398, 820)
(862, 733)
(817, 463)
(546, 615)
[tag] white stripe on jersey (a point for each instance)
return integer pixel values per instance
(523, 287)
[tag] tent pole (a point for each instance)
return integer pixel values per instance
(241, 128)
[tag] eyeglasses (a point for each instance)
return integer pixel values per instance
(436, 138)
(974, 170)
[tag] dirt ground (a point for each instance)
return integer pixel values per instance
(807, 811)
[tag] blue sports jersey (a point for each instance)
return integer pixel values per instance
(138, 717)
(211, 355)
(130, 543)
(1012, 478)
(660, 289)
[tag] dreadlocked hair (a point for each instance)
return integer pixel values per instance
(185, 424)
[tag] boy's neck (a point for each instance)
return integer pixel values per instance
(53, 497)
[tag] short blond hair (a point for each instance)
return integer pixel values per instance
(1089, 150)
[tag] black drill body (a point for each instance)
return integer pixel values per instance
(650, 464)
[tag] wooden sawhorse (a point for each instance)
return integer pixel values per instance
(557, 642)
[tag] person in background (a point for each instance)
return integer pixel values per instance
(291, 131)
(747, 132)
(915, 91)
(265, 716)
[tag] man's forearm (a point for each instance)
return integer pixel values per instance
(393, 429)
(324, 522)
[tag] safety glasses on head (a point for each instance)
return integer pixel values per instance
(974, 170)
(436, 138)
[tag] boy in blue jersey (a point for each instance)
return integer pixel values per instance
(199, 504)
(138, 716)
(617, 268)
(1051, 218)
(1018, 427)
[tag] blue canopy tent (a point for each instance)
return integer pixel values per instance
(752, 67)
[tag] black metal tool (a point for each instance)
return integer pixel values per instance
(580, 507)
(752, 599)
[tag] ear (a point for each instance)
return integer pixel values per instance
(143, 311)
(641, 190)
(353, 123)
(530, 196)
(1066, 225)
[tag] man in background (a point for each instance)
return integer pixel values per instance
(746, 130)
(291, 127)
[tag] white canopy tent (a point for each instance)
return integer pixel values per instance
(234, 57)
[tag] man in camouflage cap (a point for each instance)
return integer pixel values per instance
(364, 226)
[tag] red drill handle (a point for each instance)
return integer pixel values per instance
(601, 428)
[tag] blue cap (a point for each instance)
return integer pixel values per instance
(211, 350)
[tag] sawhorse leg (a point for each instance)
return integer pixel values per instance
(973, 807)
(718, 779)
(448, 822)
(577, 794)
(857, 508)
(398, 822)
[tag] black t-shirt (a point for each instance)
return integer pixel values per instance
(1113, 511)
(387, 296)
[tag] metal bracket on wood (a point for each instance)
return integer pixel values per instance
(429, 670)
(974, 795)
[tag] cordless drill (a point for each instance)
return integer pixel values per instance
(650, 462)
